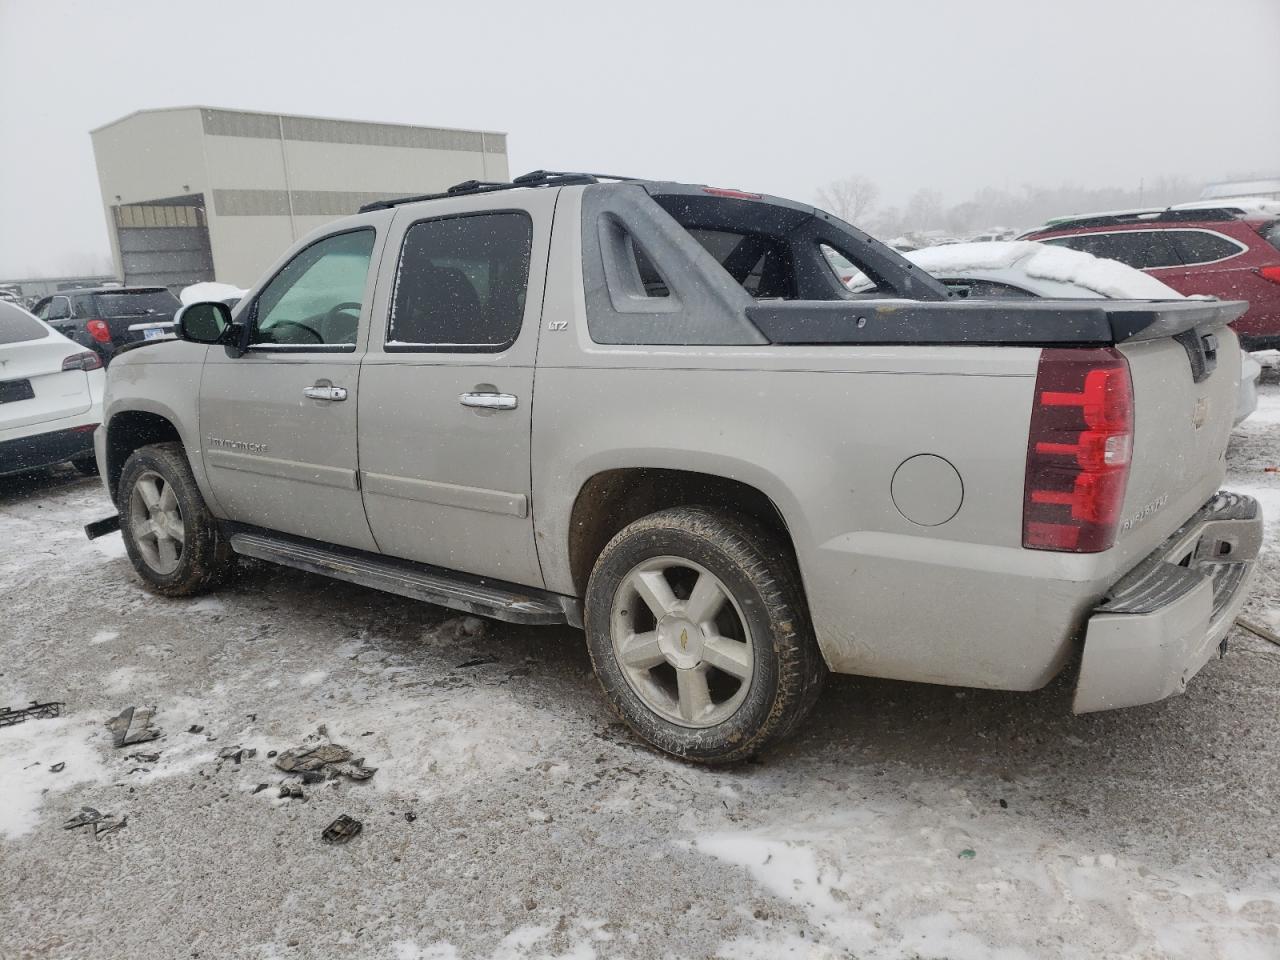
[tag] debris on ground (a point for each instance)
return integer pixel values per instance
(237, 753)
(58, 767)
(410, 817)
(1258, 630)
(476, 662)
(260, 787)
(37, 711)
(342, 830)
(133, 725)
(102, 823)
(143, 757)
(195, 728)
(291, 791)
(319, 759)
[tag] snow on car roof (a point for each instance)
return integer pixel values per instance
(1106, 278)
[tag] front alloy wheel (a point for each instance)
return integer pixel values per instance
(156, 522)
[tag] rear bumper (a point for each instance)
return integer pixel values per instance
(45, 449)
(1161, 623)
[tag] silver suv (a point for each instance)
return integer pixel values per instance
(653, 410)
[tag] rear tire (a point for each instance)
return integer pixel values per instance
(175, 544)
(700, 636)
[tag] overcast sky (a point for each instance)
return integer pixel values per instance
(778, 96)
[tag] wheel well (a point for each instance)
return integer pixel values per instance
(612, 499)
(127, 432)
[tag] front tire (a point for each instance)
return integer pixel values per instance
(175, 544)
(699, 635)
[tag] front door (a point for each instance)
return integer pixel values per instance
(446, 391)
(278, 424)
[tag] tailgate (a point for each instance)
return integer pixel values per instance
(1184, 407)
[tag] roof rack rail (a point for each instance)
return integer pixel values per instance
(1154, 215)
(534, 178)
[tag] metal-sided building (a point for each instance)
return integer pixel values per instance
(197, 193)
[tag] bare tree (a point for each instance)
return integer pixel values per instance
(851, 199)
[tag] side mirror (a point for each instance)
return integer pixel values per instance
(203, 322)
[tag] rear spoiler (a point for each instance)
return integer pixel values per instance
(876, 322)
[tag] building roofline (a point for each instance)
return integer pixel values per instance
(295, 116)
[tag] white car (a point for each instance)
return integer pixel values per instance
(1024, 268)
(50, 395)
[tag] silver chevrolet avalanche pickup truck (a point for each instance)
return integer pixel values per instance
(653, 411)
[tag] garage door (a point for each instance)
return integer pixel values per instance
(163, 245)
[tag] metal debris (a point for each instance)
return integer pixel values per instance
(342, 830)
(37, 711)
(316, 760)
(133, 725)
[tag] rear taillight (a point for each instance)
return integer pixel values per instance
(1270, 273)
(99, 330)
(82, 361)
(1078, 452)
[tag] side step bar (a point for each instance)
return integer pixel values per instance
(446, 588)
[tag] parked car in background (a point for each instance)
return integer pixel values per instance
(50, 395)
(1024, 268)
(105, 318)
(1231, 251)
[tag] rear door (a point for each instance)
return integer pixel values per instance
(278, 424)
(129, 314)
(447, 386)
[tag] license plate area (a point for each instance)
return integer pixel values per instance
(11, 391)
(153, 333)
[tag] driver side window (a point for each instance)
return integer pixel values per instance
(315, 300)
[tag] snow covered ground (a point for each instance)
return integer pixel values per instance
(511, 817)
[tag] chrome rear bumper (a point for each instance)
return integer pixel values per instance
(1161, 622)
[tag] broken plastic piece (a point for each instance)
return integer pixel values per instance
(133, 725)
(86, 816)
(195, 728)
(323, 761)
(341, 830)
(58, 767)
(237, 753)
(260, 787)
(37, 711)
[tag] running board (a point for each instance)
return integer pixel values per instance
(446, 588)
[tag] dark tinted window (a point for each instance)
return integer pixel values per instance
(1201, 246)
(1142, 249)
(462, 282)
(17, 325)
(1271, 233)
(761, 263)
(128, 303)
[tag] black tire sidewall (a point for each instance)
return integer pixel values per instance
(757, 720)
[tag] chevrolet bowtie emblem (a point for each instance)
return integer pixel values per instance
(684, 639)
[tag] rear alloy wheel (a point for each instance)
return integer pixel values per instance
(698, 632)
(174, 542)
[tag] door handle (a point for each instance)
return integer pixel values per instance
(488, 401)
(324, 392)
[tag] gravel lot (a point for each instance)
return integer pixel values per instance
(511, 817)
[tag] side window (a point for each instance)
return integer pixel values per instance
(41, 309)
(985, 290)
(1201, 246)
(762, 264)
(59, 309)
(461, 283)
(1142, 249)
(316, 298)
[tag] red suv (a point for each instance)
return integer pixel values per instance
(1226, 252)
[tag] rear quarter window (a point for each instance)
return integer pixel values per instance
(1271, 233)
(18, 326)
(1201, 246)
(1141, 249)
